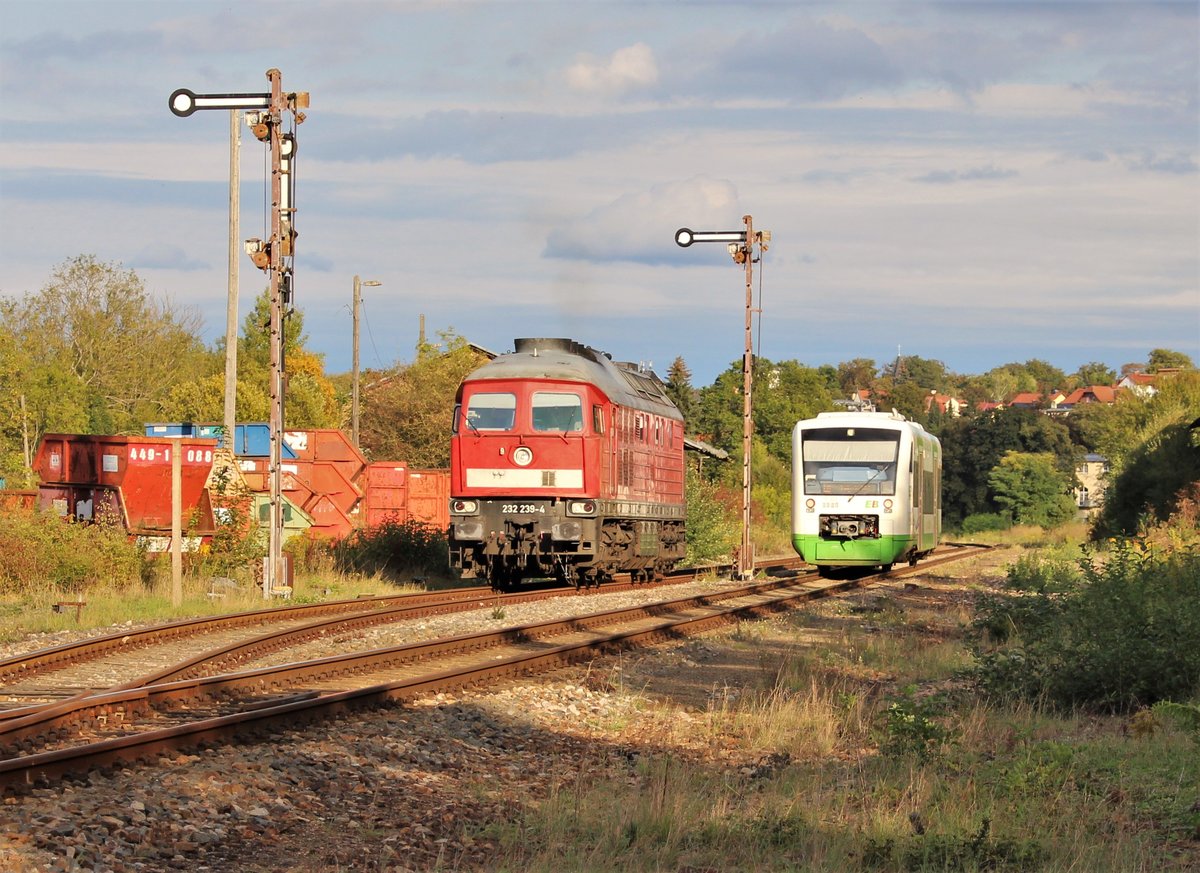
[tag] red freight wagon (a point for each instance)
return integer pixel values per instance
(81, 473)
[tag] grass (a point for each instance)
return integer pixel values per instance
(137, 604)
(861, 747)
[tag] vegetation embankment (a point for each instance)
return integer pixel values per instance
(1047, 718)
(46, 561)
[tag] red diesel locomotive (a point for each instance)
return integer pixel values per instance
(564, 464)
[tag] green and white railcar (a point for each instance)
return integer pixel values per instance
(866, 490)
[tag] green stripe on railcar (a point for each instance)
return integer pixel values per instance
(865, 552)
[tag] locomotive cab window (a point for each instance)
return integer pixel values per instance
(850, 461)
(491, 411)
(556, 411)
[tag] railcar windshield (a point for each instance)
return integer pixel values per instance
(557, 411)
(849, 460)
(493, 411)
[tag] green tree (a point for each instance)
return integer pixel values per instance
(926, 373)
(1162, 359)
(1095, 373)
(973, 446)
(405, 414)
(855, 375)
(1032, 489)
(254, 345)
(1046, 376)
(1153, 452)
(910, 399)
(784, 393)
(680, 390)
(98, 354)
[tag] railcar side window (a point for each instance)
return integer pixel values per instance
(850, 461)
(598, 419)
(491, 411)
(557, 411)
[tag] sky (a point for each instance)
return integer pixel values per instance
(976, 183)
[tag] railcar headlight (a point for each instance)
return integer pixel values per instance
(522, 456)
(810, 504)
(581, 507)
(464, 507)
(887, 506)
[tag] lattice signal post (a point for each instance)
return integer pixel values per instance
(269, 115)
(742, 245)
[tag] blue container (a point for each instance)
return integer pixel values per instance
(249, 440)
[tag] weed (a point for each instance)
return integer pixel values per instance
(977, 851)
(911, 726)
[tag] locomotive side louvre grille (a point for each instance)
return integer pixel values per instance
(634, 509)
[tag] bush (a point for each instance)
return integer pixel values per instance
(712, 528)
(1125, 634)
(393, 549)
(986, 522)
(40, 552)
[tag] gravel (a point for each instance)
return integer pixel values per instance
(396, 789)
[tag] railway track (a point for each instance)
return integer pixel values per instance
(34, 681)
(142, 722)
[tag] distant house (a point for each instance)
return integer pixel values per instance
(1034, 400)
(1091, 394)
(1141, 384)
(1092, 480)
(948, 405)
(1146, 384)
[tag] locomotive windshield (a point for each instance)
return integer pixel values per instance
(556, 411)
(491, 411)
(850, 460)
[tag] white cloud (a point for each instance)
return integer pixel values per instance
(627, 68)
(639, 226)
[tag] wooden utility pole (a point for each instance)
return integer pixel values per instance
(176, 523)
(354, 366)
(231, 309)
(358, 286)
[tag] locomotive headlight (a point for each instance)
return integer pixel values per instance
(581, 507)
(887, 506)
(522, 456)
(810, 504)
(464, 507)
